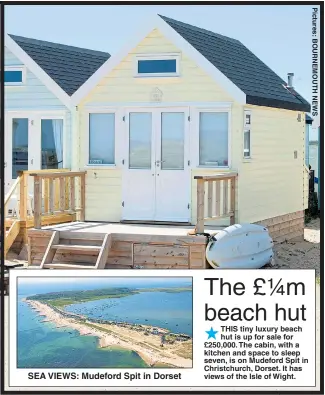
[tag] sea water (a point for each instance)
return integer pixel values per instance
(169, 310)
(43, 345)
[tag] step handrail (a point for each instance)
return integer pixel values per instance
(69, 194)
(12, 189)
(220, 189)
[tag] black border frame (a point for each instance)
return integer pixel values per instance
(321, 142)
(193, 317)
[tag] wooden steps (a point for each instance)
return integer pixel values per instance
(64, 265)
(75, 244)
(115, 250)
(77, 247)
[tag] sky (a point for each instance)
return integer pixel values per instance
(280, 35)
(106, 281)
(44, 284)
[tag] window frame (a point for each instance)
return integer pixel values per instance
(247, 128)
(64, 144)
(163, 56)
(195, 143)
(87, 148)
(16, 68)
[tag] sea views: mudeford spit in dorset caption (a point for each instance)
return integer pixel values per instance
(104, 322)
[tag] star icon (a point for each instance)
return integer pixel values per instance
(211, 333)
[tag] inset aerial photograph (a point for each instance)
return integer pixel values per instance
(115, 322)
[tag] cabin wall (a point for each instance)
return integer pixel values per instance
(34, 100)
(120, 89)
(120, 86)
(33, 95)
(104, 195)
(272, 184)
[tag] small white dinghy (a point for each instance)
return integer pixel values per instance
(245, 246)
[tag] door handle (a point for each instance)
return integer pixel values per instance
(5, 164)
(159, 161)
(31, 161)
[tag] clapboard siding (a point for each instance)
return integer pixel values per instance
(271, 183)
(34, 95)
(103, 195)
(121, 86)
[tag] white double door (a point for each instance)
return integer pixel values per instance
(156, 176)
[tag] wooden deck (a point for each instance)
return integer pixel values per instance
(60, 197)
(79, 245)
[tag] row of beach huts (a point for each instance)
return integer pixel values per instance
(136, 327)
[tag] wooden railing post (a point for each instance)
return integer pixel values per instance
(46, 194)
(51, 195)
(72, 194)
(37, 202)
(225, 197)
(67, 186)
(210, 192)
(217, 198)
(62, 194)
(233, 201)
(200, 206)
(82, 196)
(23, 186)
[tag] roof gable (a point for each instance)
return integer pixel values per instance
(261, 85)
(68, 66)
(234, 67)
(145, 29)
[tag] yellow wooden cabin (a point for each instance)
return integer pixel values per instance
(182, 128)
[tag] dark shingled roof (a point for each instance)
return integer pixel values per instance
(262, 86)
(70, 67)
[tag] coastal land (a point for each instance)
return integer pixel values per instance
(65, 298)
(156, 346)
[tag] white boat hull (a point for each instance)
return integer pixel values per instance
(245, 246)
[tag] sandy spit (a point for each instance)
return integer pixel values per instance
(151, 355)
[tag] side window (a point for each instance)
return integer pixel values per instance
(213, 139)
(102, 139)
(247, 134)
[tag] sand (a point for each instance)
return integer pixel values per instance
(148, 347)
(301, 254)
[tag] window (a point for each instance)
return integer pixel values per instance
(140, 134)
(14, 76)
(157, 66)
(102, 139)
(307, 130)
(213, 139)
(247, 134)
(19, 145)
(52, 143)
(172, 140)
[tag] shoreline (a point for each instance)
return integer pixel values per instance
(146, 346)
